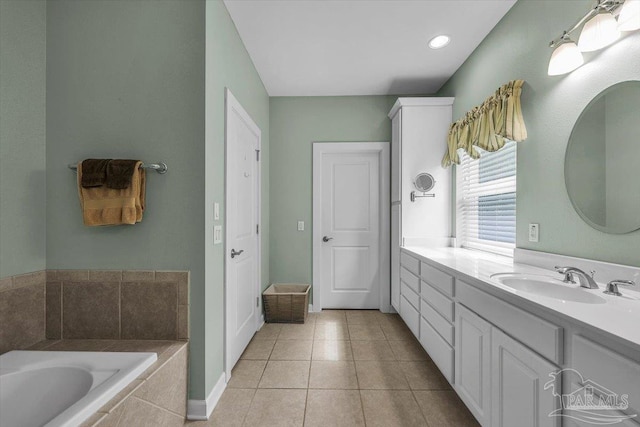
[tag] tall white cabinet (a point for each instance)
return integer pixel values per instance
(419, 135)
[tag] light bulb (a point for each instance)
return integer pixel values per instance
(600, 31)
(439, 42)
(629, 18)
(565, 58)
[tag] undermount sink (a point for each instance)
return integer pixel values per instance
(548, 287)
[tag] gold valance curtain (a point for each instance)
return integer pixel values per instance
(488, 126)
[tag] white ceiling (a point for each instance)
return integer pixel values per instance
(360, 47)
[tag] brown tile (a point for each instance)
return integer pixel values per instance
(332, 350)
(105, 275)
(139, 413)
(376, 375)
(444, 409)
(408, 350)
(119, 398)
(22, 317)
(71, 275)
(90, 310)
(163, 358)
(258, 350)
(367, 331)
(372, 350)
(80, 345)
(94, 420)
(30, 279)
(331, 331)
(385, 408)
(277, 408)
(230, 411)
(338, 408)
(247, 374)
(54, 311)
(269, 331)
(138, 275)
(112, 418)
(336, 375)
(52, 275)
(292, 350)
(285, 374)
(42, 345)
(333, 316)
(183, 322)
(362, 317)
(396, 331)
(153, 346)
(149, 311)
(424, 375)
(6, 283)
(297, 332)
(181, 278)
(167, 388)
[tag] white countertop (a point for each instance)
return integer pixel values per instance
(618, 316)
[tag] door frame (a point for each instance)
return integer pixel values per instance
(383, 149)
(231, 103)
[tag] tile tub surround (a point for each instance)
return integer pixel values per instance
(116, 304)
(22, 310)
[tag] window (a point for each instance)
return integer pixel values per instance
(486, 208)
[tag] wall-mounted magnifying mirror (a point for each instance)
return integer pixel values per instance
(424, 182)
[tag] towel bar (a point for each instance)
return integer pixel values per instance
(159, 167)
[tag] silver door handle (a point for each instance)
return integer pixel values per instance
(326, 239)
(234, 253)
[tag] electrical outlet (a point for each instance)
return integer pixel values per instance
(300, 225)
(216, 211)
(217, 234)
(534, 232)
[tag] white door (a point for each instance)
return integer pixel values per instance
(349, 204)
(242, 279)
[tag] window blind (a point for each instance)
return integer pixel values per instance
(486, 207)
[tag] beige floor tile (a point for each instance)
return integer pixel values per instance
(247, 373)
(269, 331)
(333, 316)
(377, 375)
(336, 408)
(367, 331)
(332, 350)
(277, 408)
(386, 408)
(372, 350)
(292, 350)
(396, 331)
(258, 350)
(444, 409)
(424, 375)
(230, 411)
(336, 375)
(285, 374)
(331, 331)
(362, 317)
(297, 332)
(408, 350)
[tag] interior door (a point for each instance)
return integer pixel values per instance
(350, 224)
(242, 208)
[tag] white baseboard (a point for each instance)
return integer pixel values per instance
(310, 308)
(200, 410)
(261, 321)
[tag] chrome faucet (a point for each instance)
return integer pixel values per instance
(612, 286)
(585, 280)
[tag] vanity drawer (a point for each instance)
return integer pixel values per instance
(410, 263)
(410, 316)
(440, 352)
(410, 279)
(436, 278)
(440, 302)
(410, 295)
(607, 368)
(538, 334)
(439, 323)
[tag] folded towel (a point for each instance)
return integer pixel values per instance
(110, 206)
(95, 172)
(120, 172)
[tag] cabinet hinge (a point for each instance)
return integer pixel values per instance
(257, 155)
(257, 228)
(257, 301)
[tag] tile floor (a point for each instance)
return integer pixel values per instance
(341, 368)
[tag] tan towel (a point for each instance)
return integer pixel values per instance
(108, 206)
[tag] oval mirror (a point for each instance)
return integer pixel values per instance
(601, 163)
(424, 182)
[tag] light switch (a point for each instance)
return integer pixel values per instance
(300, 225)
(534, 232)
(216, 211)
(217, 234)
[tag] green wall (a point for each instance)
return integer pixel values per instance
(22, 136)
(297, 122)
(517, 48)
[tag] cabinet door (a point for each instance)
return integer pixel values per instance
(517, 391)
(396, 157)
(396, 242)
(473, 363)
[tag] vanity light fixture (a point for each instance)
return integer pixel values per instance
(599, 29)
(438, 42)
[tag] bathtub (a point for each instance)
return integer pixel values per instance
(59, 388)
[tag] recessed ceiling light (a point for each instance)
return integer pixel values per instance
(439, 42)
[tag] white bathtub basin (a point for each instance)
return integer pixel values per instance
(62, 389)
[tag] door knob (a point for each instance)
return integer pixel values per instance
(326, 239)
(234, 253)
